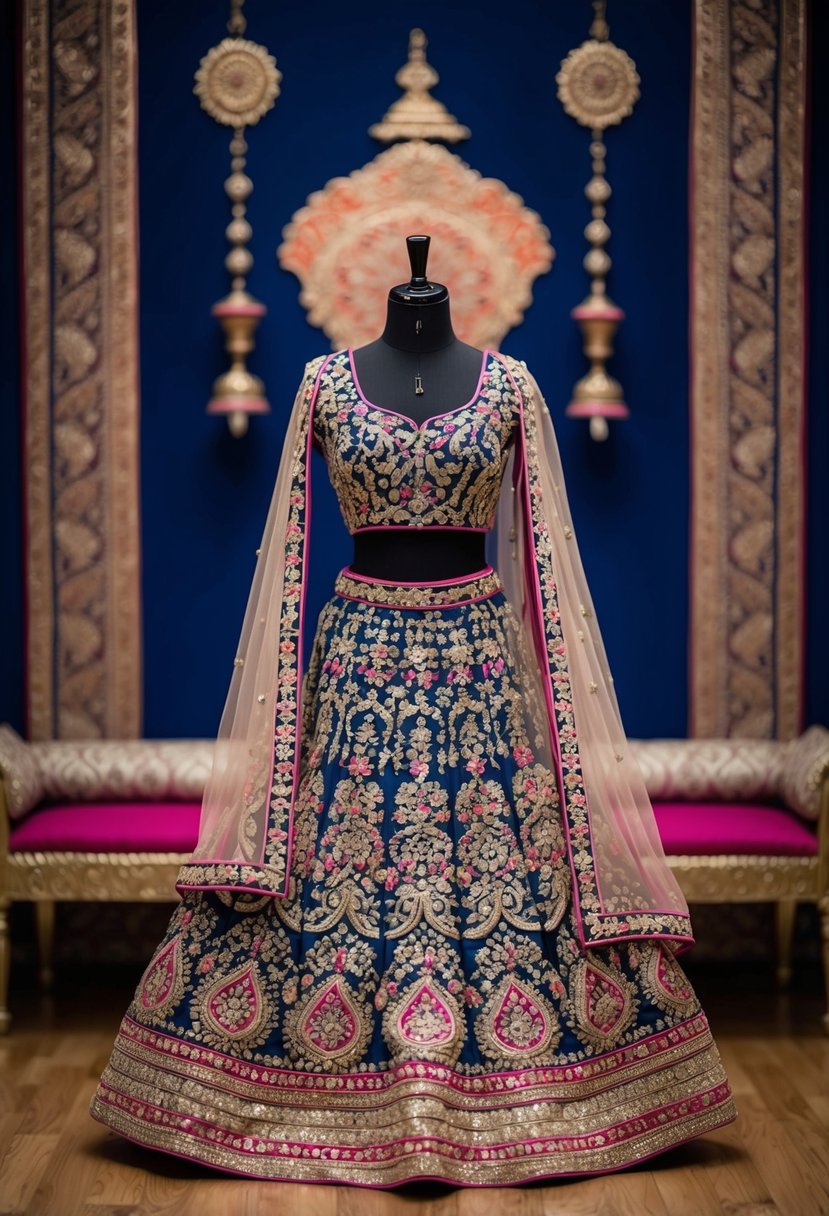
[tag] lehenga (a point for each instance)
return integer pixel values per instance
(428, 930)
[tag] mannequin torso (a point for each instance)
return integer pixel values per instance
(385, 371)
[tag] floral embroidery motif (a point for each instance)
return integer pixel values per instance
(542, 840)
(460, 592)
(425, 954)
(663, 979)
(280, 742)
(518, 1021)
(604, 1000)
(331, 1023)
(162, 984)
(599, 923)
(233, 1007)
(344, 869)
(427, 1021)
(422, 1019)
(491, 871)
(513, 1009)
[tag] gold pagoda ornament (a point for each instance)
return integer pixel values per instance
(237, 84)
(598, 85)
(417, 114)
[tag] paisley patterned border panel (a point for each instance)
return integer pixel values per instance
(81, 411)
(748, 368)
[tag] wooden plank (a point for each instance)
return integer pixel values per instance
(24, 1165)
(778, 1159)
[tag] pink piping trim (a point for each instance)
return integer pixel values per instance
(235, 888)
(405, 417)
(401, 582)
(426, 528)
(442, 582)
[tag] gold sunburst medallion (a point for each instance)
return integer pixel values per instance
(598, 84)
(237, 82)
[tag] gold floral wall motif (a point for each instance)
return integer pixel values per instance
(344, 245)
(81, 419)
(748, 370)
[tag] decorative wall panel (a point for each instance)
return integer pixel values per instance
(81, 405)
(748, 368)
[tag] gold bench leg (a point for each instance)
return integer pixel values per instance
(45, 920)
(5, 959)
(785, 910)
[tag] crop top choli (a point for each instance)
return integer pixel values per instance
(388, 471)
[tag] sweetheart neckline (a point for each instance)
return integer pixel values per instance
(487, 351)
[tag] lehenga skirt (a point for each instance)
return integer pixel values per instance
(419, 1005)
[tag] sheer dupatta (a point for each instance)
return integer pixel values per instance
(246, 824)
(623, 887)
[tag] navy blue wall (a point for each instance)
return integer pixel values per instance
(204, 495)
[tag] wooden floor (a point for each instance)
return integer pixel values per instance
(56, 1161)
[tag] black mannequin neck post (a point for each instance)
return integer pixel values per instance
(386, 370)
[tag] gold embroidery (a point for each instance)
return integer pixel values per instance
(232, 1008)
(422, 1018)
(600, 920)
(663, 980)
(331, 1026)
(517, 1022)
(603, 999)
(491, 869)
(385, 470)
(420, 595)
(502, 1128)
(344, 870)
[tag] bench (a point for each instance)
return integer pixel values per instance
(741, 820)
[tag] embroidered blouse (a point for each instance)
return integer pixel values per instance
(388, 470)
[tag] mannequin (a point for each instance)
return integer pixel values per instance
(419, 368)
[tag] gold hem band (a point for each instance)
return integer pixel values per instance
(430, 1122)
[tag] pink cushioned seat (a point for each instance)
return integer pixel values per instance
(108, 827)
(732, 827)
(172, 827)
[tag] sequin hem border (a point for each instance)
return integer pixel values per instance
(565, 1129)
